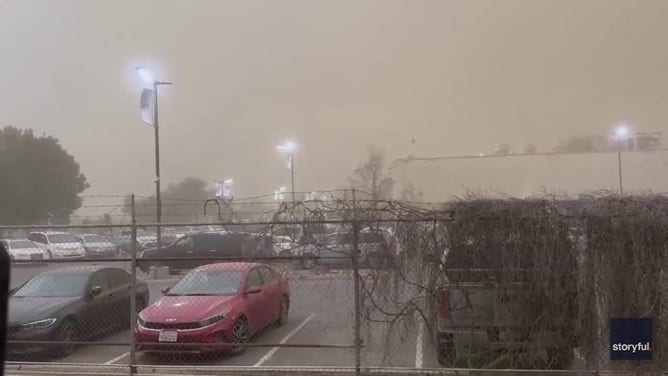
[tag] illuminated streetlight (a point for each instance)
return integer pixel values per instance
(278, 194)
(149, 78)
(289, 148)
(621, 131)
(621, 134)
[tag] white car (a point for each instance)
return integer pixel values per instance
(59, 244)
(97, 245)
(24, 249)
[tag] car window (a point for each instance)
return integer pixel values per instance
(207, 241)
(98, 279)
(185, 242)
(62, 238)
(267, 275)
(117, 278)
(53, 285)
(254, 278)
(208, 282)
(94, 239)
(39, 238)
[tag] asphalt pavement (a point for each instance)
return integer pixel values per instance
(321, 313)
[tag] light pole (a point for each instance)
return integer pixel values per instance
(148, 77)
(620, 133)
(289, 148)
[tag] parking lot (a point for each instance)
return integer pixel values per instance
(321, 313)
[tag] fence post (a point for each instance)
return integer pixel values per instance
(133, 287)
(356, 284)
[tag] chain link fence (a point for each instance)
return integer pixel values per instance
(343, 283)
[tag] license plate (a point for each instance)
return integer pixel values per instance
(168, 337)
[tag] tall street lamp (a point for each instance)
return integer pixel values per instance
(148, 77)
(289, 148)
(620, 136)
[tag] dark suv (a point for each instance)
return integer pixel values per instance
(188, 252)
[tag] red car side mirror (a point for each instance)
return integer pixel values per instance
(254, 290)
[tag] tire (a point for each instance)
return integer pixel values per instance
(447, 354)
(66, 332)
(309, 261)
(375, 260)
(240, 335)
(283, 313)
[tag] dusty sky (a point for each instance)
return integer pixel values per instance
(457, 77)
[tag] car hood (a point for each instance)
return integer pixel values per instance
(66, 246)
(24, 310)
(178, 309)
(26, 250)
(99, 245)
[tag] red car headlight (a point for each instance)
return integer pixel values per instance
(215, 319)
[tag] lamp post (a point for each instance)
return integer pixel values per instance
(620, 133)
(148, 77)
(289, 148)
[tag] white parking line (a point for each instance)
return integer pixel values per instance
(116, 359)
(285, 339)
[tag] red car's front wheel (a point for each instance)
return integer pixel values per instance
(283, 313)
(240, 336)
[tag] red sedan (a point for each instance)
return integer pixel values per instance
(215, 304)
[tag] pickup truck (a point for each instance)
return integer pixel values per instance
(489, 316)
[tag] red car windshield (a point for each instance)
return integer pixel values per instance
(208, 283)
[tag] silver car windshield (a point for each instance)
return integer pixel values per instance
(62, 238)
(95, 239)
(21, 244)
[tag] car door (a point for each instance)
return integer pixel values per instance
(119, 296)
(205, 247)
(183, 249)
(96, 312)
(336, 250)
(271, 288)
(230, 246)
(256, 304)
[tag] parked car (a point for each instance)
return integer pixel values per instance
(97, 245)
(184, 253)
(70, 304)
(143, 243)
(338, 248)
(59, 244)
(24, 249)
(215, 304)
(481, 309)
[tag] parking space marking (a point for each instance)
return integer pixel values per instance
(116, 359)
(285, 339)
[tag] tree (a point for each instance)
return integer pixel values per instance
(529, 149)
(581, 144)
(39, 179)
(182, 201)
(371, 178)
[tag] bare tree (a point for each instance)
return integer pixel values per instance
(371, 176)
